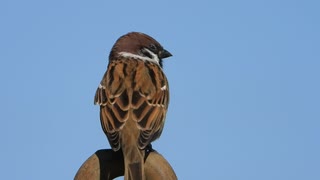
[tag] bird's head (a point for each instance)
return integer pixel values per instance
(141, 46)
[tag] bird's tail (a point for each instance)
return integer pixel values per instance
(134, 163)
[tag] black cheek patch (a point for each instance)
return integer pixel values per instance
(146, 53)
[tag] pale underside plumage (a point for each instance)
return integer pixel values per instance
(133, 89)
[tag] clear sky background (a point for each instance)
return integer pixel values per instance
(244, 84)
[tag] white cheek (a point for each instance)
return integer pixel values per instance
(154, 58)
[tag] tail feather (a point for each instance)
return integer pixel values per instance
(135, 171)
(134, 165)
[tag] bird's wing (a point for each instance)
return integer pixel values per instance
(113, 99)
(145, 94)
(150, 102)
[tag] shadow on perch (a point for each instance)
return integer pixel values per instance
(106, 164)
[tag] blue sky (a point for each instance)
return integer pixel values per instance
(244, 84)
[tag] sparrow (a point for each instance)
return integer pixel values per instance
(133, 96)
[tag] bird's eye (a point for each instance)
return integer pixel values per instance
(153, 47)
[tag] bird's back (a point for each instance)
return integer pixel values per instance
(133, 97)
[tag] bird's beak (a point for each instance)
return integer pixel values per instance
(164, 54)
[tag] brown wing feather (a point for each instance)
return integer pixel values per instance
(133, 90)
(113, 99)
(152, 99)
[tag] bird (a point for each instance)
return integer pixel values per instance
(133, 96)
